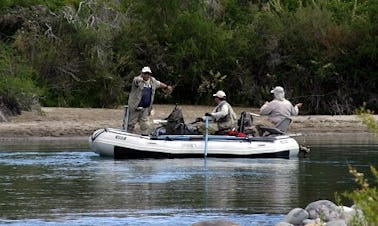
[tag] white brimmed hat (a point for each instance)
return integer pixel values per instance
(220, 94)
(146, 70)
(277, 89)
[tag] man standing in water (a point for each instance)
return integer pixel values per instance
(141, 99)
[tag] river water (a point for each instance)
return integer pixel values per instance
(62, 182)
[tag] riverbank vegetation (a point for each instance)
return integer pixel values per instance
(365, 198)
(367, 118)
(74, 53)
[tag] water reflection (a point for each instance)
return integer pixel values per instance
(49, 185)
(221, 183)
(76, 187)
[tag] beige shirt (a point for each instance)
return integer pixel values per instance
(278, 110)
(224, 116)
(136, 92)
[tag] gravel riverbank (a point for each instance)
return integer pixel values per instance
(81, 122)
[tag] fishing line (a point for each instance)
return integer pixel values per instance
(313, 95)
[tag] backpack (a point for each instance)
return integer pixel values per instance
(176, 124)
(245, 124)
(175, 120)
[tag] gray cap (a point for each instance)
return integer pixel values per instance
(277, 89)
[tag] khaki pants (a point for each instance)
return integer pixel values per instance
(262, 120)
(213, 127)
(139, 116)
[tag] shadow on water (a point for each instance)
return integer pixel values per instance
(69, 185)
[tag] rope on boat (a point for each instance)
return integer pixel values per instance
(94, 136)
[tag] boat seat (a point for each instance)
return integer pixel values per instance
(280, 128)
(284, 124)
(266, 130)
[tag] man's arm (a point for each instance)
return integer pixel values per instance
(265, 109)
(220, 114)
(165, 86)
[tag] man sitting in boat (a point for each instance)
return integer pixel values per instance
(223, 118)
(279, 110)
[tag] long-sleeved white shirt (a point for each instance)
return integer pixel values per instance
(278, 110)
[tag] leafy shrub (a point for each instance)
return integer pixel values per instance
(52, 4)
(16, 79)
(367, 118)
(365, 198)
(84, 53)
(71, 52)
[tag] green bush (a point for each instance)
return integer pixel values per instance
(16, 79)
(367, 118)
(52, 4)
(85, 53)
(73, 55)
(365, 198)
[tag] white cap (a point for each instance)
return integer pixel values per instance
(277, 89)
(220, 94)
(146, 70)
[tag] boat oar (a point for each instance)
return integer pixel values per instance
(206, 134)
(126, 118)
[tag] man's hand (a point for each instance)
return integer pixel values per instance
(139, 79)
(170, 88)
(299, 105)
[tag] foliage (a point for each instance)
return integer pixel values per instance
(196, 47)
(73, 55)
(52, 4)
(367, 118)
(85, 53)
(16, 81)
(365, 198)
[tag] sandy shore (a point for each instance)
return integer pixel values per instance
(81, 122)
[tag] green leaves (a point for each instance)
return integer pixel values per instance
(16, 79)
(85, 53)
(365, 198)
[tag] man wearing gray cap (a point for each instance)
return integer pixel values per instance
(279, 108)
(141, 99)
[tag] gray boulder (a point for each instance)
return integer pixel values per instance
(309, 222)
(347, 213)
(323, 209)
(215, 223)
(283, 224)
(296, 216)
(336, 223)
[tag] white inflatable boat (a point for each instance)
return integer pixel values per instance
(118, 143)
